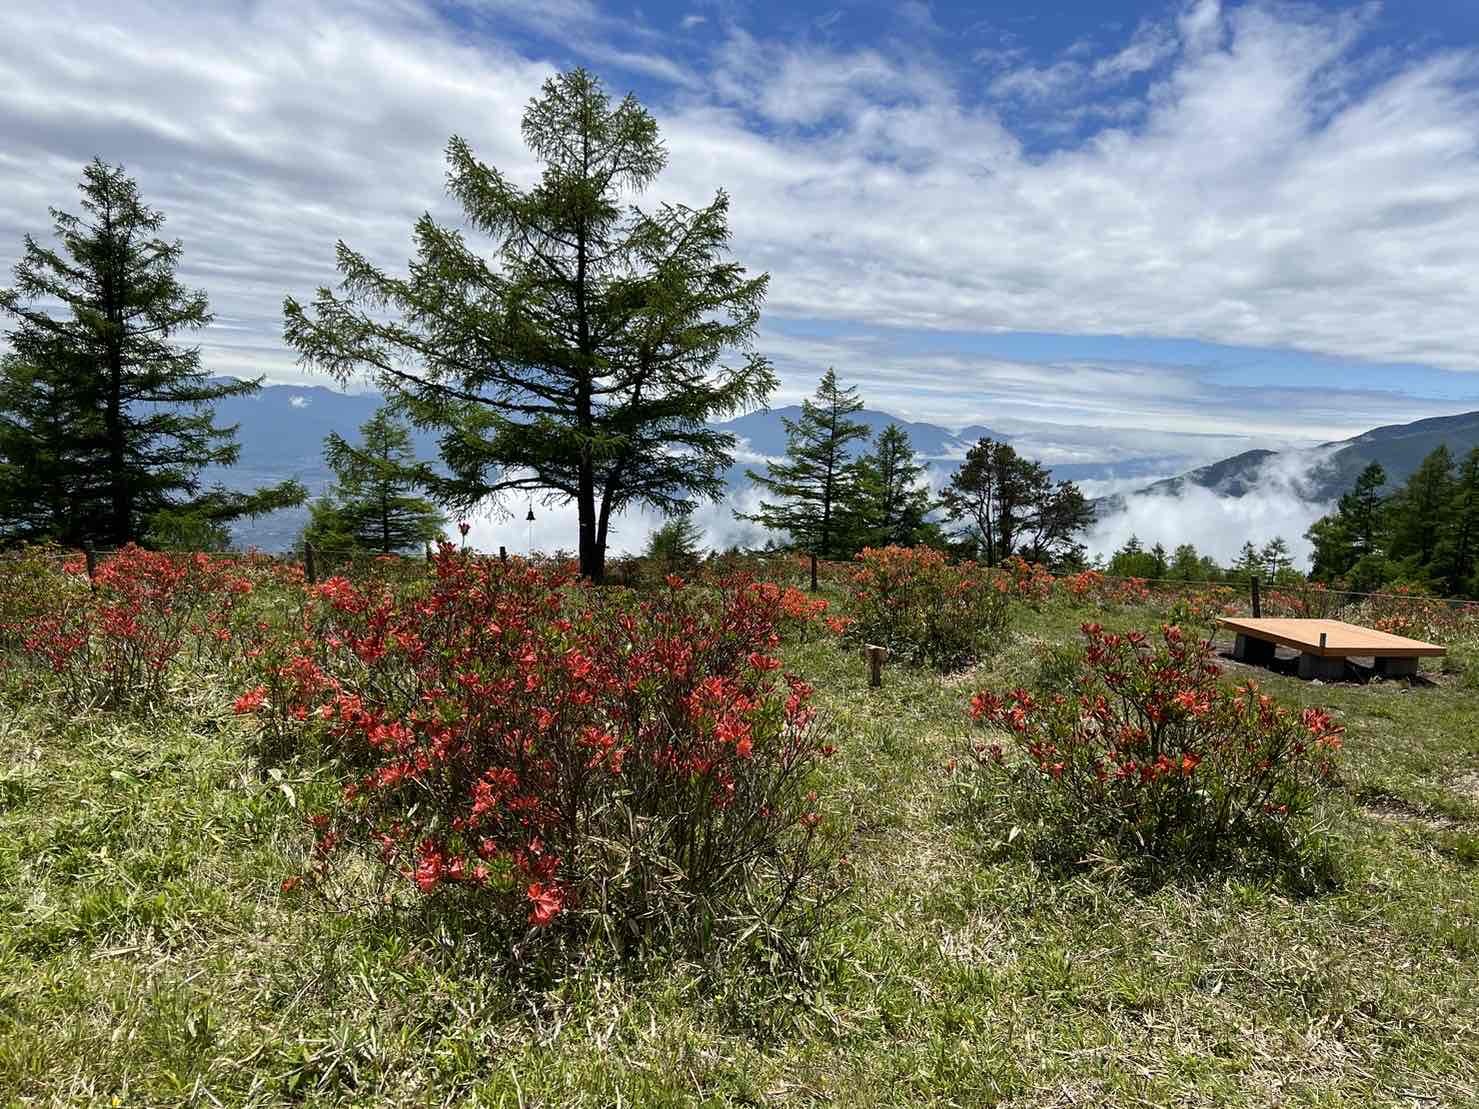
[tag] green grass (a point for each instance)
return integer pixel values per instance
(148, 957)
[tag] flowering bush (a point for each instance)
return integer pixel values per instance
(917, 604)
(1030, 582)
(548, 753)
(1201, 607)
(111, 641)
(1148, 754)
(1091, 585)
(1405, 611)
(1085, 585)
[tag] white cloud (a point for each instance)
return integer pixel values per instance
(1278, 505)
(301, 402)
(1152, 44)
(555, 528)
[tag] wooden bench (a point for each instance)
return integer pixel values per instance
(1324, 645)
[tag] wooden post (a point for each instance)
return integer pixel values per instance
(1257, 603)
(813, 572)
(92, 564)
(1322, 643)
(876, 655)
(502, 553)
(309, 570)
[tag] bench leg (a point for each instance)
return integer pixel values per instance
(1255, 652)
(1319, 666)
(1397, 667)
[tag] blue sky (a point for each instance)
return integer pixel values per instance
(1115, 230)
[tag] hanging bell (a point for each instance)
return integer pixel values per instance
(530, 517)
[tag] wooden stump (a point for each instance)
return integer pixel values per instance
(875, 656)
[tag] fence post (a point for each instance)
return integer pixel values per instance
(1257, 602)
(92, 564)
(502, 553)
(813, 572)
(876, 655)
(309, 570)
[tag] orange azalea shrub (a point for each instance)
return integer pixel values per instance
(1200, 608)
(916, 603)
(1030, 582)
(1149, 756)
(1093, 586)
(546, 753)
(1407, 612)
(111, 641)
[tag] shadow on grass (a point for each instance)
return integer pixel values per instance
(760, 980)
(1301, 860)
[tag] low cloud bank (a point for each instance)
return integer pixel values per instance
(1279, 504)
(556, 528)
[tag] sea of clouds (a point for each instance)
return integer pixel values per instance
(1278, 505)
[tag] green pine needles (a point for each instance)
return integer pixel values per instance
(105, 422)
(585, 361)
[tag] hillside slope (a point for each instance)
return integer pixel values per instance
(1329, 470)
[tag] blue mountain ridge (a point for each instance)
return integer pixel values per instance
(281, 430)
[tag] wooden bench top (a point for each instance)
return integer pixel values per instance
(1341, 639)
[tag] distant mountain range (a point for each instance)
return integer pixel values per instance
(1321, 474)
(282, 430)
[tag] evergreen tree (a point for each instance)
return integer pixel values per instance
(583, 361)
(51, 468)
(1059, 512)
(1132, 560)
(105, 423)
(1158, 553)
(1418, 515)
(1188, 565)
(374, 506)
(1278, 563)
(677, 545)
(990, 494)
(1248, 564)
(817, 486)
(1352, 533)
(1458, 557)
(1008, 504)
(891, 505)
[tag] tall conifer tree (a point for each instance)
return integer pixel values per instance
(1458, 559)
(374, 505)
(1418, 514)
(582, 363)
(106, 423)
(892, 506)
(815, 488)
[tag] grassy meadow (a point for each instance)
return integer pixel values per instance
(148, 955)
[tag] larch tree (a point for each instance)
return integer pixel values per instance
(105, 422)
(583, 361)
(1418, 514)
(1458, 558)
(892, 506)
(815, 487)
(676, 545)
(374, 505)
(1353, 532)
